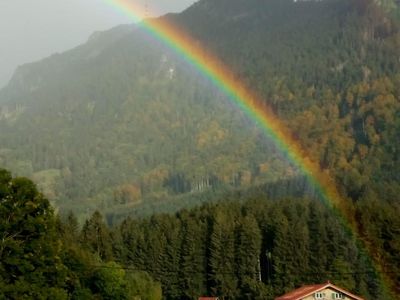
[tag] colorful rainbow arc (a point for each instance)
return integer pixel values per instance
(237, 92)
(248, 102)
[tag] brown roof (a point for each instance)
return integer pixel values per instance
(308, 290)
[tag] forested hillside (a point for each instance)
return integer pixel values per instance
(121, 120)
(124, 125)
(330, 68)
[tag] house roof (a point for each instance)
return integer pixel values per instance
(308, 290)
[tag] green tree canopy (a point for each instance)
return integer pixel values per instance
(30, 265)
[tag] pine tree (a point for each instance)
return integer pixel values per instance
(248, 247)
(193, 256)
(222, 256)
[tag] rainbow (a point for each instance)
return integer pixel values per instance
(223, 78)
(247, 101)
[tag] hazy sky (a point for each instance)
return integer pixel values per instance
(34, 29)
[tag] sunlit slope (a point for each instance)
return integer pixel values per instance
(330, 69)
(122, 119)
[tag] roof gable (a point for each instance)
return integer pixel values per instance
(308, 290)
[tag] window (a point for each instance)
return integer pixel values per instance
(337, 296)
(319, 295)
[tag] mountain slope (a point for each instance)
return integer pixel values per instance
(330, 69)
(122, 119)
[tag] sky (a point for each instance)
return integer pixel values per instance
(34, 29)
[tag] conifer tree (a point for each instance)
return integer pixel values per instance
(248, 247)
(96, 236)
(193, 257)
(222, 256)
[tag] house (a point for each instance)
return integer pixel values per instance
(322, 291)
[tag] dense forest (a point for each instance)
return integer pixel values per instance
(256, 249)
(122, 125)
(40, 257)
(333, 75)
